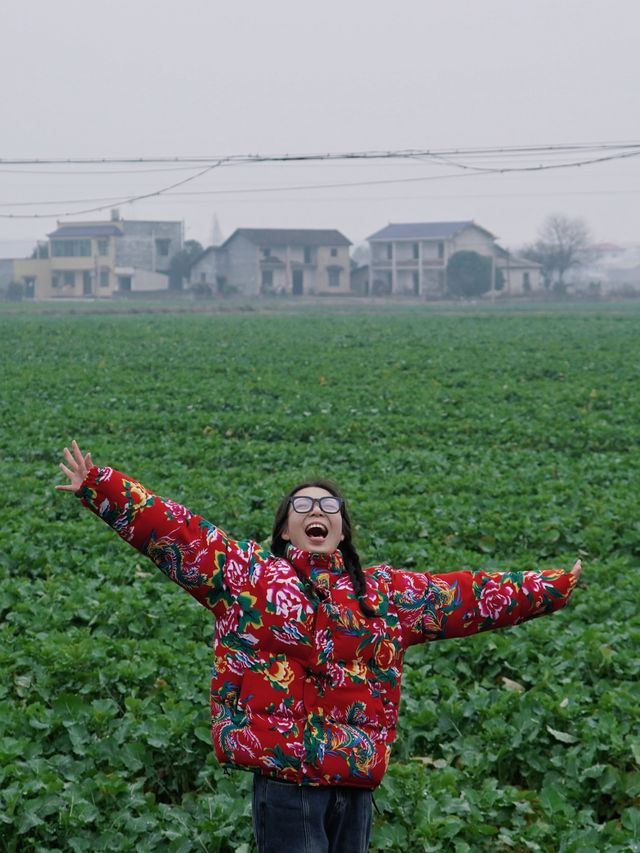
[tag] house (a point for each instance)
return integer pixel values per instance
(520, 276)
(411, 258)
(102, 259)
(206, 272)
(266, 261)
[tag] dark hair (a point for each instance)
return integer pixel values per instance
(347, 549)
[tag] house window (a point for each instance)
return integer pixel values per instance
(55, 280)
(389, 251)
(416, 251)
(307, 254)
(69, 279)
(266, 253)
(203, 277)
(104, 278)
(334, 277)
(267, 279)
(162, 246)
(526, 281)
(440, 250)
(71, 248)
(103, 247)
(334, 252)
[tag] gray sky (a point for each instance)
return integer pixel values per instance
(136, 78)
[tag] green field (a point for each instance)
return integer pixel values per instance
(461, 438)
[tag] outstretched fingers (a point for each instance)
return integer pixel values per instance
(77, 455)
(75, 467)
(66, 471)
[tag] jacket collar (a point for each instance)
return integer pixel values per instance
(310, 566)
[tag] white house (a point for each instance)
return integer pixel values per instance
(411, 258)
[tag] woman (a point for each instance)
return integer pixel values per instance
(308, 645)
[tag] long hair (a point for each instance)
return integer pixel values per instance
(347, 549)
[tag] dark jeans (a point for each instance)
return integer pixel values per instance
(309, 818)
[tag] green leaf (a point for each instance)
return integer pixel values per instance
(563, 737)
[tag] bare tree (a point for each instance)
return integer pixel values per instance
(560, 244)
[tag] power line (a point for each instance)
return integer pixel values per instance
(404, 158)
(616, 151)
(359, 155)
(129, 200)
(261, 190)
(7, 171)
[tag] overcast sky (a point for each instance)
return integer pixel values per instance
(136, 78)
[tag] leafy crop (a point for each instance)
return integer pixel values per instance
(459, 441)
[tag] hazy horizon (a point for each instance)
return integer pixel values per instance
(212, 80)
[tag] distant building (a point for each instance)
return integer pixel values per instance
(607, 269)
(206, 272)
(255, 261)
(411, 258)
(217, 237)
(521, 276)
(102, 259)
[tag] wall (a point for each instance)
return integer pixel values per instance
(40, 270)
(326, 260)
(241, 265)
(144, 280)
(206, 270)
(137, 246)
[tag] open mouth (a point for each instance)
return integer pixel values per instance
(316, 531)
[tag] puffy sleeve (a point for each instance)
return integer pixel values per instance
(455, 604)
(192, 552)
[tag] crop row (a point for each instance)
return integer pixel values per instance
(465, 441)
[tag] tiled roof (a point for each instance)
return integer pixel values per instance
(203, 254)
(424, 230)
(291, 236)
(99, 230)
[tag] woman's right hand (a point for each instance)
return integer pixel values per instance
(77, 467)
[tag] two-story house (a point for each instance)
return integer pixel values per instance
(102, 258)
(255, 261)
(412, 258)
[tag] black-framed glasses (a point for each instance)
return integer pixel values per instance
(329, 504)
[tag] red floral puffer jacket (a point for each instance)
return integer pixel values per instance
(305, 688)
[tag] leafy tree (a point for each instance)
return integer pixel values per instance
(41, 250)
(361, 254)
(15, 291)
(559, 247)
(181, 263)
(469, 274)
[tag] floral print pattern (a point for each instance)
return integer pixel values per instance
(304, 687)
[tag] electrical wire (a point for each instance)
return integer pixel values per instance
(130, 200)
(609, 151)
(371, 154)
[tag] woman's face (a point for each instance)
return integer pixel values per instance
(313, 529)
